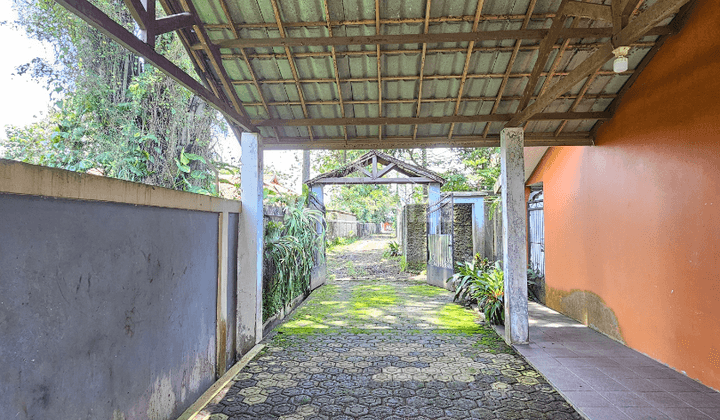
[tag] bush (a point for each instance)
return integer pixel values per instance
(393, 249)
(291, 251)
(482, 282)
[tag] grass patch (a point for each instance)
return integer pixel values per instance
(455, 318)
(426, 290)
(339, 242)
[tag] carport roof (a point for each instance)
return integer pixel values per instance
(343, 74)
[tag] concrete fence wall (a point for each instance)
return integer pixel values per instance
(344, 229)
(115, 299)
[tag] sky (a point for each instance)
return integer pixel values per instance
(23, 100)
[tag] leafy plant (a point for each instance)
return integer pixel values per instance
(482, 282)
(291, 251)
(491, 295)
(393, 249)
(535, 284)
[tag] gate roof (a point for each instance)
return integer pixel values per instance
(376, 175)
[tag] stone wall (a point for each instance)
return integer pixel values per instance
(415, 236)
(462, 233)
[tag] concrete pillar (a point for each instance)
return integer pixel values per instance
(513, 230)
(478, 225)
(319, 272)
(250, 249)
(434, 197)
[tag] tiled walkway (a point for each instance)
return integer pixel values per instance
(369, 347)
(604, 379)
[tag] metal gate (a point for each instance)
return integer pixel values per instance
(440, 261)
(536, 240)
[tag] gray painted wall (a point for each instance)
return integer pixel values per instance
(107, 311)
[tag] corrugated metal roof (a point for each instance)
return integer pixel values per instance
(299, 82)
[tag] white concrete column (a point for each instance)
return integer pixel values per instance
(513, 232)
(251, 245)
(478, 225)
(434, 197)
(319, 272)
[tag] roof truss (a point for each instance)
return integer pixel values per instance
(547, 72)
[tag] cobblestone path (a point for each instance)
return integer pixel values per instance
(385, 347)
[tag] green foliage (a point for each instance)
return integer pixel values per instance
(475, 169)
(339, 241)
(482, 282)
(393, 249)
(535, 282)
(115, 113)
(291, 252)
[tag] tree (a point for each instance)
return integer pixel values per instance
(114, 112)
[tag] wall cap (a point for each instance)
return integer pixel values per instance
(26, 179)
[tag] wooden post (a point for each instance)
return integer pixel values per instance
(222, 295)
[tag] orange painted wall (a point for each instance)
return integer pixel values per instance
(636, 219)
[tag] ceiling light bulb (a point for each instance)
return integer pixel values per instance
(621, 62)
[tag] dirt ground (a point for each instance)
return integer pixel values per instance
(366, 258)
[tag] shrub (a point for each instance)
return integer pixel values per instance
(291, 252)
(482, 282)
(393, 249)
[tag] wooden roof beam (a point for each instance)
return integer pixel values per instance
(589, 10)
(427, 120)
(422, 65)
(423, 38)
(103, 23)
(395, 142)
(335, 67)
(291, 61)
(508, 71)
(543, 54)
(468, 55)
(478, 48)
(634, 30)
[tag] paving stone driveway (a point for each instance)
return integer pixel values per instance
(389, 348)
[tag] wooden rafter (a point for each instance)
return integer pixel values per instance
(511, 62)
(407, 142)
(291, 61)
(102, 22)
(428, 120)
(379, 66)
(543, 54)
(386, 21)
(529, 34)
(634, 30)
(407, 78)
(468, 55)
(228, 16)
(414, 101)
(576, 102)
(428, 3)
(335, 68)
(588, 46)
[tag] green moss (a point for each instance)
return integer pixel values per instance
(374, 296)
(426, 290)
(456, 318)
